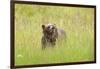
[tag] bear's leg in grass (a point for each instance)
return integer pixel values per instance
(43, 42)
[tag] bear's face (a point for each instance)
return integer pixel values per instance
(48, 29)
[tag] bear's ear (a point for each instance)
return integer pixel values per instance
(43, 27)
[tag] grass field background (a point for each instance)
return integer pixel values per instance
(76, 21)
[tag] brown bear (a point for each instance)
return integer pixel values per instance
(50, 35)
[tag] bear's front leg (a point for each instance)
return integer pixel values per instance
(43, 43)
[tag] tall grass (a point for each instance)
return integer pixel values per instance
(77, 22)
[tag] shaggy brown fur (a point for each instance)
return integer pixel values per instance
(50, 35)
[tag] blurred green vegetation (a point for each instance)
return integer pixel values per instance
(76, 21)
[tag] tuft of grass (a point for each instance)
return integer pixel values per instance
(77, 22)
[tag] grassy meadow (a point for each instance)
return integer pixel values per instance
(76, 21)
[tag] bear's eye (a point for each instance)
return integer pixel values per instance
(48, 27)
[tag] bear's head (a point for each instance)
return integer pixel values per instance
(50, 32)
